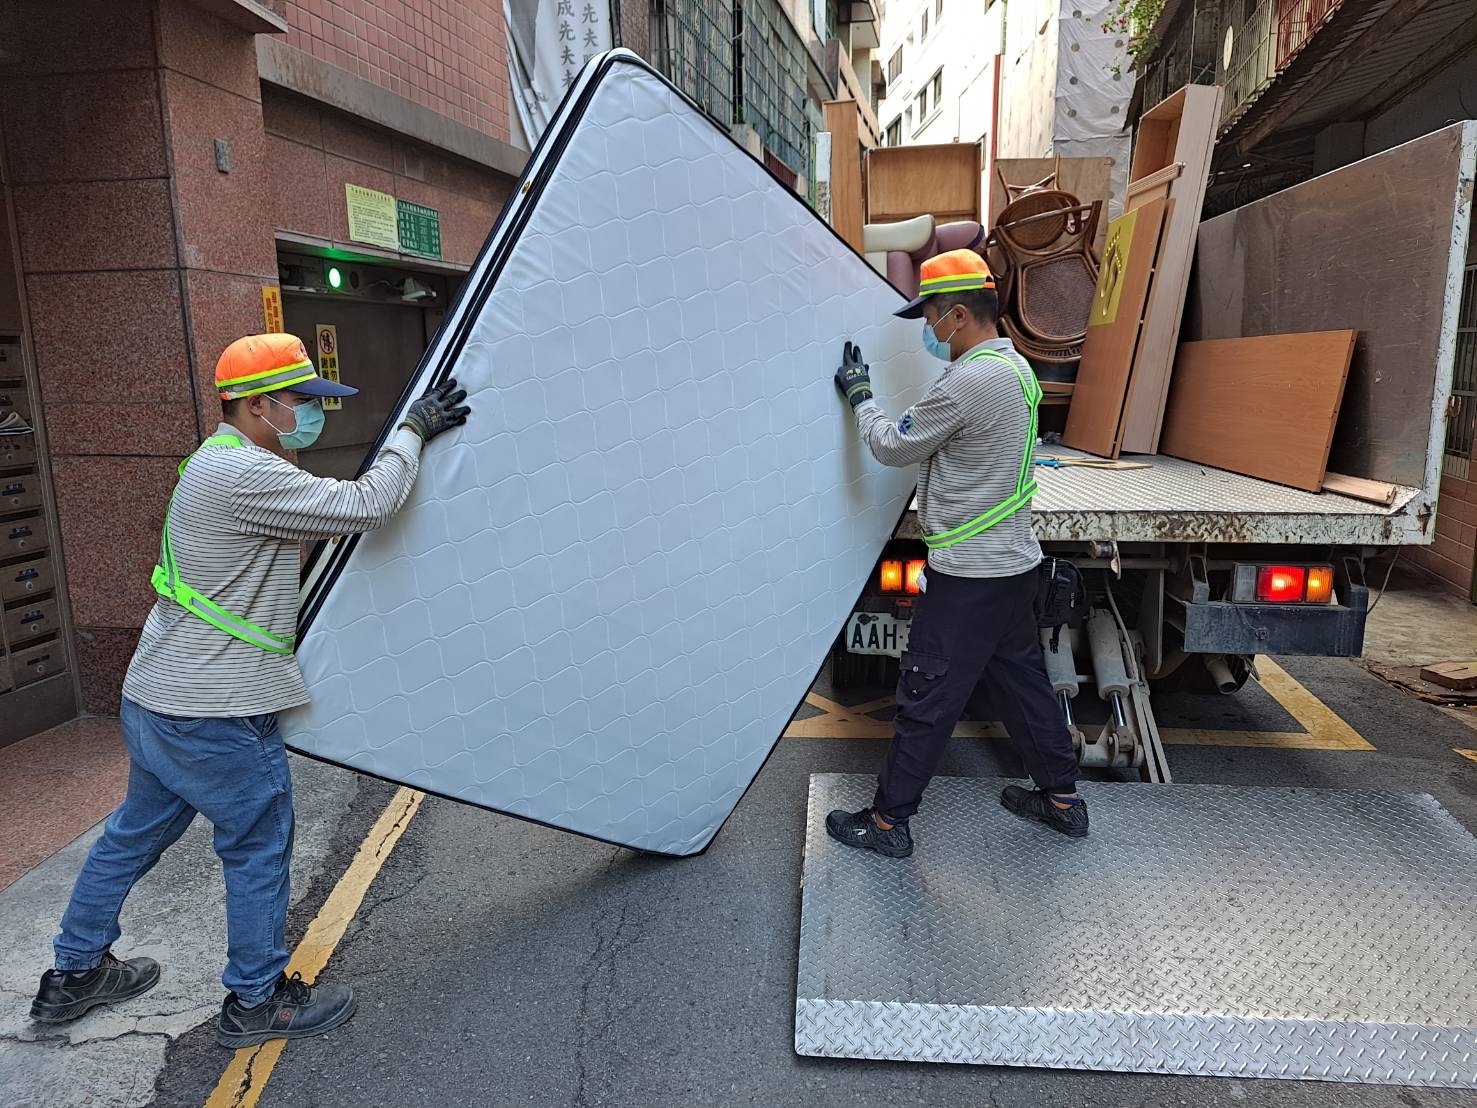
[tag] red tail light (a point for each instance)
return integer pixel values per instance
(1281, 584)
(915, 570)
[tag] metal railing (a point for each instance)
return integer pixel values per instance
(742, 61)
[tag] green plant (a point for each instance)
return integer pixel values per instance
(1135, 20)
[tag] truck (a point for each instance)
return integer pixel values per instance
(1192, 571)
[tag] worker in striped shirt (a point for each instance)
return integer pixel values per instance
(973, 437)
(213, 667)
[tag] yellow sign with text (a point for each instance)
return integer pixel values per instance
(328, 361)
(272, 309)
(373, 218)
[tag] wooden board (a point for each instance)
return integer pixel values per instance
(1095, 421)
(1087, 179)
(1264, 406)
(1360, 488)
(1299, 260)
(1180, 131)
(907, 181)
(846, 171)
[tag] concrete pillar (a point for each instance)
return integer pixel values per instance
(142, 257)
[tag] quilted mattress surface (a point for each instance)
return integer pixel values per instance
(610, 590)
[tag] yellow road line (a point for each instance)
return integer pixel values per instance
(1470, 755)
(246, 1075)
(1323, 728)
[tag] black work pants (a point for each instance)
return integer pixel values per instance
(966, 631)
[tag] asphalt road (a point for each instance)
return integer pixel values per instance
(501, 963)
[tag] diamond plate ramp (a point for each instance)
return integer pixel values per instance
(609, 591)
(1201, 929)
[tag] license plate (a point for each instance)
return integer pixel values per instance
(876, 633)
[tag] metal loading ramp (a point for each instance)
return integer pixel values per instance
(1202, 929)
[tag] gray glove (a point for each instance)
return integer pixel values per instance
(440, 409)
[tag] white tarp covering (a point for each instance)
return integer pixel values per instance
(548, 43)
(611, 589)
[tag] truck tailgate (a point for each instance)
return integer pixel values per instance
(1179, 501)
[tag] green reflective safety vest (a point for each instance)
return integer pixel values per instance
(1025, 485)
(167, 582)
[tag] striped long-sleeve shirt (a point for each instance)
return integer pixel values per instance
(236, 524)
(966, 435)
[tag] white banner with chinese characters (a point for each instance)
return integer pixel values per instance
(548, 42)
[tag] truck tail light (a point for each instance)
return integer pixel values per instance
(1320, 584)
(915, 570)
(1252, 584)
(1281, 584)
(890, 578)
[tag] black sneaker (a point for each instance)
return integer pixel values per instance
(1036, 804)
(295, 1011)
(859, 829)
(65, 995)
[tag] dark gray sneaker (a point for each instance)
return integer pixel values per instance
(1036, 804)
(65, 996)
(295, 1011)
(859, 829)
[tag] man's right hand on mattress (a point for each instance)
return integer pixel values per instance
(440, 409)
(853, 378)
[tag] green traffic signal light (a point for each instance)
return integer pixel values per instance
(335, 277)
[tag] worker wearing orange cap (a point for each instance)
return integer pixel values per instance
(973, 437)
(213, 667)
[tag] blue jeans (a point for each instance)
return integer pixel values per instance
(234, 772)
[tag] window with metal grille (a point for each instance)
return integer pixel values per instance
(772, 80)
(742, 62)
(894, 66)
(1461, 422)
(937, 85)
(938, 10)
(695, 50)
(923, 32)
(894, 135)
(922, 105)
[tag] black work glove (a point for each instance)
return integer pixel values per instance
(439, 410)
(854, 379)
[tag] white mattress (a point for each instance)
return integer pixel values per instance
(610, 590)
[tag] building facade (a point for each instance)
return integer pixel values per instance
(1030, 78)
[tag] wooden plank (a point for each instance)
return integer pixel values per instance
(1179, 131)
(1299, 260)
(1087, 179)
(1095, 420)
(1452, 675)
(904, 182)
(846, 171)
(1360, 488)
(1263, 406)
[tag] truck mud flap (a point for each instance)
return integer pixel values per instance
(611, 589)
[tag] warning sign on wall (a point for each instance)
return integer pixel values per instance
(272, 309)
(328, 361)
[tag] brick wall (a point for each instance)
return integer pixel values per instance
(1450, 557)
(446, 55)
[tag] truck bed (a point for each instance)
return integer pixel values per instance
(1179, 501)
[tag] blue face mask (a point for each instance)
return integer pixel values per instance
(309, 424)
(936, 346)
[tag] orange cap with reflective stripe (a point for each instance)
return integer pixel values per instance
(956, 271)
(266, 363)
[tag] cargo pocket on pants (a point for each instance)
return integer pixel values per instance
(921, 674)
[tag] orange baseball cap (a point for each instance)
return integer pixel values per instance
(266, 363)
(956, 271)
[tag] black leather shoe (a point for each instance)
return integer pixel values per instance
(859, 829)
(66, 995)
(295, 1011)
(1036, 804)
